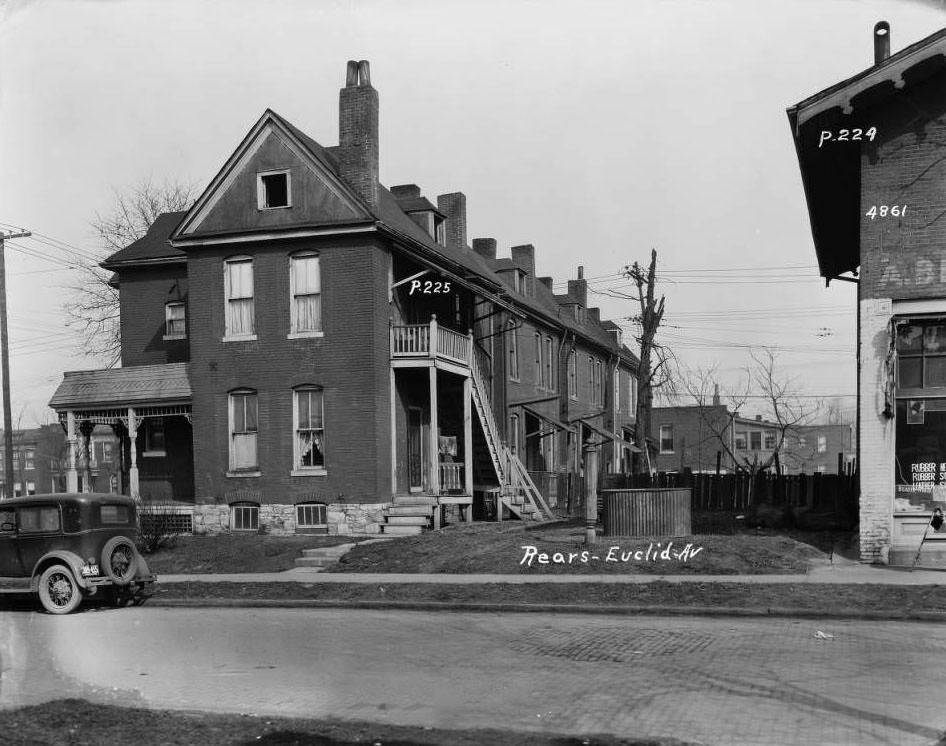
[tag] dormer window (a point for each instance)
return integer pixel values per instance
(440, 230)
(273, 189)
(579, 313)
(517, 281)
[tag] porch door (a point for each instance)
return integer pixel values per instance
(415, 448)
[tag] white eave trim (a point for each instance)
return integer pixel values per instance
(274, 235)
(843, 97)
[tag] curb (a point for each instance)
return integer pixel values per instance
(714, 611)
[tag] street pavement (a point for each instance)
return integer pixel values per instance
(732, 682)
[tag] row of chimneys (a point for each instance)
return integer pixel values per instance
(357, 154)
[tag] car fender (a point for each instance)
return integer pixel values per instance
(61, 556)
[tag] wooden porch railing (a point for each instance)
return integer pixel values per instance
(451, 476)
(413, 340)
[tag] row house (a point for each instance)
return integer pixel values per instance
(306, 350)
(870, 150)
(40, 462)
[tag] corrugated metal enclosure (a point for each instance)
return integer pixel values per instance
(647, 512)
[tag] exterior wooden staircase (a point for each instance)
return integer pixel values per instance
(517, 490)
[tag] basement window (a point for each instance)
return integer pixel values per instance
(311, 518)
(272, 190)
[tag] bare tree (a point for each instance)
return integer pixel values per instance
(94, 307)
(654, 370)
(783, 407)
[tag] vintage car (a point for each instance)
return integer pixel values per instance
(66, 547)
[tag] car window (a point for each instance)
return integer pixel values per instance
(6, 516)
(72, 518)
(120, 514)
(39, 518)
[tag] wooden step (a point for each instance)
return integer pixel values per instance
(401, 500)
(316, 562)
(424, 510)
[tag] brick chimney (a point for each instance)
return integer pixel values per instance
(595, 315)
(579, 288)
(524, 257)
(358, 132)
(547, 281)
(454, 207)
(485, 247)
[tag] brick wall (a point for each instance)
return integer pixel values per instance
(143, 296)
(694, 443)
(351, 363)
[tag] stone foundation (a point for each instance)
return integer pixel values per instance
(344, 519)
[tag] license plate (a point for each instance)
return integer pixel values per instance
(90, 570)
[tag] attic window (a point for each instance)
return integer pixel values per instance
(440, 233)
(272, 190)
(579, 313)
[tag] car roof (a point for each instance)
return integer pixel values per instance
(67, 497)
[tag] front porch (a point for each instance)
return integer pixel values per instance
(149, 410)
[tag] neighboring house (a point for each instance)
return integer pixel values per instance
(822, 449)
(704, 439)
(40, 458)
(871, 155)
(307, 350)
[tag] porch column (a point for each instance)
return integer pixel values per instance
(468, 444)
(72, 476)
(133, 488)
(434, 443)
(393, 432)
(86, 428)
(432, 342)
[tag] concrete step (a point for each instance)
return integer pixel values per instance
(333, 552)
(407, 520)
(316, 562)
(425, 510)
(389, 530)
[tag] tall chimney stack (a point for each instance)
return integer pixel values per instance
(454, 207)
(358, 132)
(881, 42)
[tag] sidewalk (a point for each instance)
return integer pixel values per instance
(828, 574)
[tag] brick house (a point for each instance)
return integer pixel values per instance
(307, 350)
(871, 157)
(704, 439)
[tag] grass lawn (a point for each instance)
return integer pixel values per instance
(500, 548)
(74, 722)
(234, 554)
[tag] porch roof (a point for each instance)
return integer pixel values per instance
(112, 387)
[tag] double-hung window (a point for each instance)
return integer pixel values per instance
(244, 430)
(310, 430)
(306, 280)
(513, 355)
(538, 360)
(573, 374)
(240, 313)
(549, 368)
(666, 438)
(175, 320)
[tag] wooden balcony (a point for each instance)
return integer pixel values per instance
(451, 478)
(413, 342)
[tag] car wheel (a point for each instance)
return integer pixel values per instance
(119, 560)
(59, 593)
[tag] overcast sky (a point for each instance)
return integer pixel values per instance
(593, 130)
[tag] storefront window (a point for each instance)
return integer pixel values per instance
(921, 416)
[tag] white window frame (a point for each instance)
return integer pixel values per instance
(514, 433)
(295, 332)
(617, 389)
(822, 444)
(538, 360)
(744, 436)
(753, 434)
(298, 470)
(769, 436)
(573, 374)
(29, 458)
(31, 488)
(513, 356)
(308, 515)
(663, 437)
(230, 335)
(261, 192)
(244, 509)
(241, 471)
(168, 320)
(548, 367)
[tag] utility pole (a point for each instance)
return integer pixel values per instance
(5, 369)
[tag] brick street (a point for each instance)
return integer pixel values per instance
(716, 681)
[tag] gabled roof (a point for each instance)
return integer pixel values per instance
(114, 387)
(831, 175)
(153, 246)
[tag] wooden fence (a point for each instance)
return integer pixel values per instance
(821, 493)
